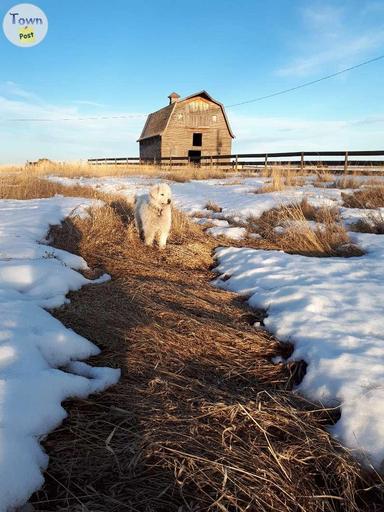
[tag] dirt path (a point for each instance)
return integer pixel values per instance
(201, 419)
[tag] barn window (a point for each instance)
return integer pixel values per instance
(214, 119)
(197, 139)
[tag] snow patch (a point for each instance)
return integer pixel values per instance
(332, 310)
(33, 344)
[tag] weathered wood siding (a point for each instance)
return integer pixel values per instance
(196, 115)
(150, 148)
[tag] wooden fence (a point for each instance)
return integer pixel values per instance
(333, 160)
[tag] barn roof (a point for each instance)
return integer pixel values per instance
(157, 121)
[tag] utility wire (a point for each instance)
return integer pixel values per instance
(260, 98)
(306, 84)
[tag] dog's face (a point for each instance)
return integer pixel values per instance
(160, 194)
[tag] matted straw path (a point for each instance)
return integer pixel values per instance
(201, 419)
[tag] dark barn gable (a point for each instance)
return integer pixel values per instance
(194, 126)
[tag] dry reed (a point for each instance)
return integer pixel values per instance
(201, 420)
(367, 197)
(214, 207)
(287, 228)
(373, 223)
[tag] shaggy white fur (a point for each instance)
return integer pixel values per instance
(153, 214)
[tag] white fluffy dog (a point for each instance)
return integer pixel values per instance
(153, 214)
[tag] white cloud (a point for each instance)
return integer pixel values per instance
(329, 38)
(274, 134)
(75, 139)
(60, 139)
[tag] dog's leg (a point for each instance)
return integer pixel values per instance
(163, 240)
(149, 237)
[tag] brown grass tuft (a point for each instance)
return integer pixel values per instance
(21, 186)
(323, 178)
(180, 174)
(287, 228)
(280, 178)
(214, 207)
(201, 419)
(368, 197)
(373, 223)
(348, 182)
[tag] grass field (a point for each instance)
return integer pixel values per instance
(202, 419)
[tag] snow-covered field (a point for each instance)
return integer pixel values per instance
(331, 309)
(39, 358)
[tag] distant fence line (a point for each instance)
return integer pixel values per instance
(299, 160)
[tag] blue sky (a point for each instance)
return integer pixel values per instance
(124, 58)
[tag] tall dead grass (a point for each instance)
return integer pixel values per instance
(370, 196)
(179, 174)
(201, 420)
(373, 223)
(280, 179)
(287, 228)
(349, 181)
(214, 207)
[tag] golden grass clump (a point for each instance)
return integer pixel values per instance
(214, 207)
(287, 228)
(175, 173)
(348, 181)
(373, 223)
(276, 183)
(323, 178)
(281, 178)
(201, 420)
(370, 196)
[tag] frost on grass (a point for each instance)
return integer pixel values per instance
(331, 309)
(39, 357)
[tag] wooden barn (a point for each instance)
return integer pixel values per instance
(194, 126)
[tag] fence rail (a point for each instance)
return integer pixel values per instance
(298, 160)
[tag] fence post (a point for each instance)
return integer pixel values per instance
(266, 161)
(302, 162)
(236, 162)
(346, 162)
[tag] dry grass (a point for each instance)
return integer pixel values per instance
(373, 223)
(201, 419)
(368, 197)
(287, 228)
(214, 207)
(185, 174)
(22, 186)
(281, 178)
(323, 178)
(179, 174)
(349, 181)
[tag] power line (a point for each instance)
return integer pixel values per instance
(306, 84)
(127, 116)
(260, 98)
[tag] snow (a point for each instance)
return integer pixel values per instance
(331, 309)
(235, 233)
(237, 199)
(39, 357)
